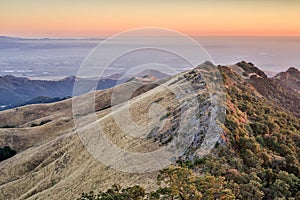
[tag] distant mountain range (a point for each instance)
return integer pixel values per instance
(18, 91)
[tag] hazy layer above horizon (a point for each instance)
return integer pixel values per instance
(63, 57)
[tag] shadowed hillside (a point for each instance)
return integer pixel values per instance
(19, 91)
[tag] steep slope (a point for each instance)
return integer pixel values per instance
(22, 135)
(52, 159)
(258, 157)
(261, 158)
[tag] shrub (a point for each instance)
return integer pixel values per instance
(40, 124)
(8, 126)
(6, 152)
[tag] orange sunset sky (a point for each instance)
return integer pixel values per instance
(59, 18)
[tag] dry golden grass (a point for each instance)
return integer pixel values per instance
(52, 162)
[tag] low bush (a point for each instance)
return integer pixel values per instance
(6, 152)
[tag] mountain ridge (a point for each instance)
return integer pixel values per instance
(256, 152)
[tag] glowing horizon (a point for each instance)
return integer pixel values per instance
(92, 18)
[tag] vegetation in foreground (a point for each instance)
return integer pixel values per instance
(259, 160)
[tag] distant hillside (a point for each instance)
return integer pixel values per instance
(151, 72)
(37, 100)
(289, 79)
(278, 90)
(16, 91)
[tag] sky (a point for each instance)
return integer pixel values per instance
(93, 18)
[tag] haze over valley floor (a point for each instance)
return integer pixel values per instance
(59, 58)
